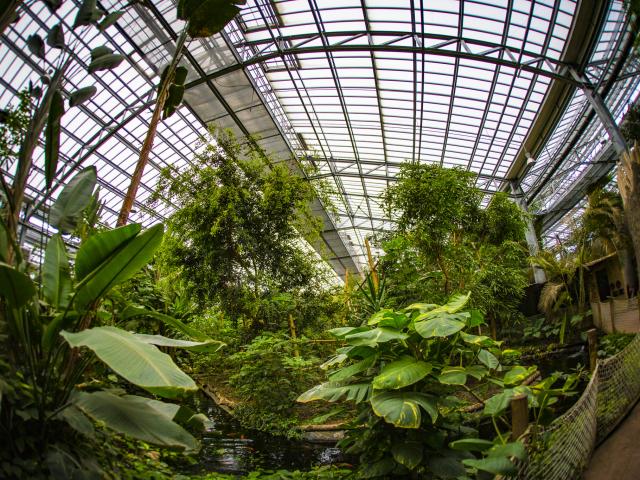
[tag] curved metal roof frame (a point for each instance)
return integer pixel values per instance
(354, 87)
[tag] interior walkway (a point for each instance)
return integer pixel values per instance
(618, 458)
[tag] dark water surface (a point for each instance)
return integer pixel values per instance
(228, 448)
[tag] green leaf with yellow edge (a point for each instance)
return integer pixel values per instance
(403, 409)
(401, 373)
(517, 374)
(453, 376)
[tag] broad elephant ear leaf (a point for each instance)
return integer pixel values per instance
(56, 275)
(401, 373)
(15, 287)
(138, 417)
(401, 408)
(140, 363)
(121, 266)
(73, 199)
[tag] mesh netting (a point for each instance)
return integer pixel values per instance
(563, 449)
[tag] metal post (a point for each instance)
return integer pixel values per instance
(602, 112)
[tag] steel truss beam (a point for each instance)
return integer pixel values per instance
(428, 44)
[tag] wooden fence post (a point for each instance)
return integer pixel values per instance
(519, 415)
(612, 310)
(592, 339)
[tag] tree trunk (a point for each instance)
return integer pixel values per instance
(8, 16)
(136, 178)
(629, 185)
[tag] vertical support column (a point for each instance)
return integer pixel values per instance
(530, 233)
(603, 113)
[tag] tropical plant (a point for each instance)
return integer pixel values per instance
(46, 106)
(236, 238)
(447, 242)
(46, 328)
(203, 18)
(410, 373)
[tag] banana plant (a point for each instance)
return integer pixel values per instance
(203, 18)
(50, 100)
(54, 335)
(408, 372)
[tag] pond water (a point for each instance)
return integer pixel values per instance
(228, 448)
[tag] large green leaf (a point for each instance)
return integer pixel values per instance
(332, 392)
(140, 363)
(454, 305)
(402, 409)
(513, 449)
(375, 336)
(407, 453)
(481, 340)
(440, 326)
(52, 138)
(389, 318)
(98, 248)
(108, 61)
(453, 376)
(73, 199)
(15, 287)
(137, 417)
(88, 13)
(471, 444)
(82, 95)
(495, 465)
(207, 17)
(341, 332)
(121, 266)
(401, 373)
(208, 346)
(55, 37)
(488, 359)
(497, 404)
(56, 275)
(350, 370)
(517, 374)
(133, 311)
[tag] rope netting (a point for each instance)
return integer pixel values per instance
(562, 450)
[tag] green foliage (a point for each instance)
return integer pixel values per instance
(44, 407)
(236, 235)
(269, 376)
(446, 243)
(612, 343)
(408, 372)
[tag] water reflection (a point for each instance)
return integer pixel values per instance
(228, 448)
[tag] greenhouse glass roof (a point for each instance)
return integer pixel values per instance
(355, 88)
